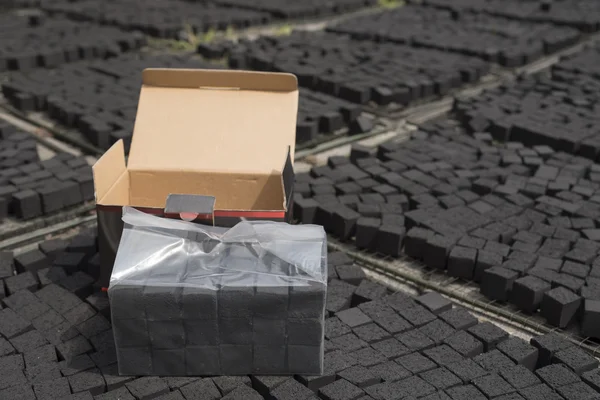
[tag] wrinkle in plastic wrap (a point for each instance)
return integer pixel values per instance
(189, 299)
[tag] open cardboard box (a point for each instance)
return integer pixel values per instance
(226, 134)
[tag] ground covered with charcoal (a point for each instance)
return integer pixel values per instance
(521, 222)
(56, 341)
(31, 187)
(558, 109)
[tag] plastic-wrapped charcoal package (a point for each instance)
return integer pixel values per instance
(189, 299)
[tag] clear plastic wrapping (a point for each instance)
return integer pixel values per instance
(189, 299)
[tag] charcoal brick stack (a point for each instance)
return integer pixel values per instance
(228, 311)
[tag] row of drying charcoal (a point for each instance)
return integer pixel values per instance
(378, 345)
(291, 9)
(507, 42)
(581, 14)
(34, 41)
(100, 99)
(97, 98)
(30, 187)
(522, 221)
(560, 110)
(161, 18)
(353, 70)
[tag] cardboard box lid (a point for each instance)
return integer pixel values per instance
(227, 134)
(214, 120)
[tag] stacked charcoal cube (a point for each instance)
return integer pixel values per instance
(30, 187)
(229, 311)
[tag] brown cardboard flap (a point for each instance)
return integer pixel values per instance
(232, 191)
(182, 124)
(221, 79)
(108, 170)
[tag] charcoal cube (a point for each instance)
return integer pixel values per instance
(548, 345)
(352, 274)
(90, 380)
(344, 221)
(415, 242)
(339, 390)
(73, 347)
(368, 291)
(497, 282)
(305, 331)
(415, 314)
(306, 301)
(465, 392)
(24, 281)
(168, 362)
(305, 210)
(390, 371)
(443, 355)
(231, 331)
(392, 348)
(493, 385)
(291, 389)
(440, 378)
(126, 302)
(466, 369)
(353, 317)
(33, 260)
(413, 386)
(556, 375)
(458, 318)
(11, 324)
(416, 363)
(205, 360)
(162, 302)
(389, 239)
(240, 393)
(198, 303)
(577, 391)
(371, 333)
(461, 262)
(590, 324)
(485, 261)
(302, 359)
(235, 358)
(519, 377)
(79, 314)
(559, 306)
(527, 293)
(465, 344)
(203, 387)
(28, 341)
(489, 334)
(434, 302)
(200, 332)
(55, 388)
(575, 359)
(366, 233)
(520, 352)
(360, 376)
(6, 264)
(27, 204)
(147, 387)
(592, 378)
(436, 251)
(437, 330)
(136, 332)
